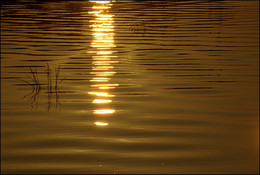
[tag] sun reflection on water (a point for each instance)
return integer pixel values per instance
(103, 60)
(101, 123)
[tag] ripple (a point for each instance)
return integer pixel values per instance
(186, 94)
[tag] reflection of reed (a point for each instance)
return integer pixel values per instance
(48, 73)
(34, 78)
(35, 84)
(57, 74)
(34, 98)
(138, 27)
(57, 104)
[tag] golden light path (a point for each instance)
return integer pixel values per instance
(103, 60)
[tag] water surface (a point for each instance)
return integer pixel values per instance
(145, 87)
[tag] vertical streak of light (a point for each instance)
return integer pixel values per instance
(103, 60)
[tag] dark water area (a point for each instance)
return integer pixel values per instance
(121, 87)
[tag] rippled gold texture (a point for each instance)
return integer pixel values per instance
(102, 69)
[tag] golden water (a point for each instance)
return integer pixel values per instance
(148, 87)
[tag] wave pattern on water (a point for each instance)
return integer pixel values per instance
(180, 77)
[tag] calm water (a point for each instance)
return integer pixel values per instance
(145, 87)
